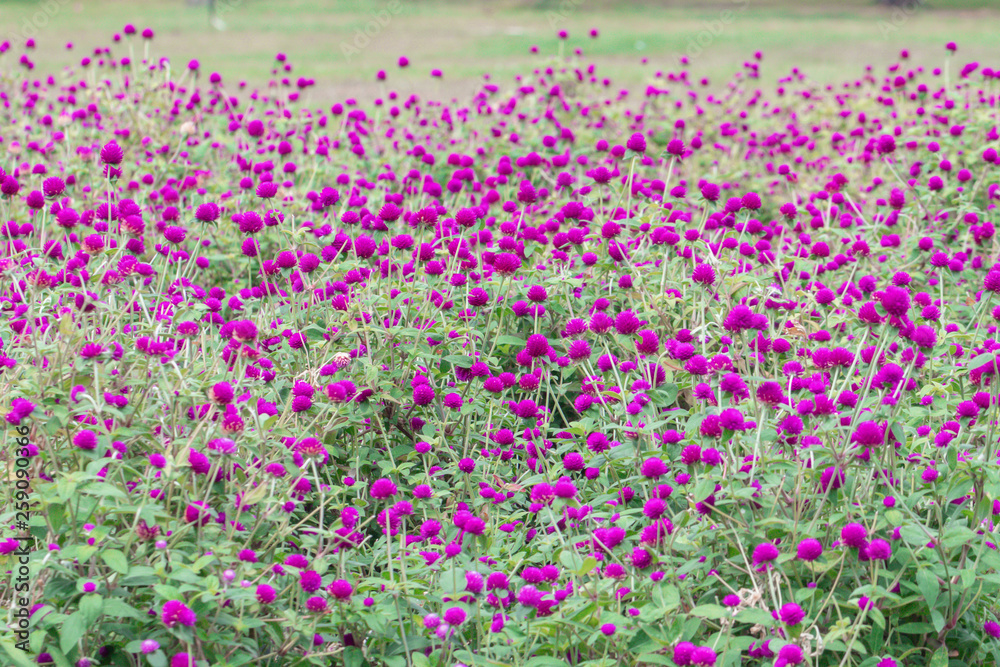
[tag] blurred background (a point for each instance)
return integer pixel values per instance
(342, 44)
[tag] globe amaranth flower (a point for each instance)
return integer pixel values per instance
(703, 274)
(341, 590)
(810, 549)
(789, 654)
(175, 612)
(85, 440)
(895, 300)
(317, 605)
(653, 468)
(765, 553)
(854, 535)
(112, 154)
(382, 489)
(791, 614)
(868, 434)
(636, 143)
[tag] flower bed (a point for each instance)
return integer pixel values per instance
(558, 375)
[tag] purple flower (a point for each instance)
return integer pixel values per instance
(791, 614)
(703, 275)
(854, 535)
(85, 440)
(653, 468)
(382, 489)
(810, 549)
(764, 553)
(112, 154)
(454, 616)
(636, 143)
(175, 612)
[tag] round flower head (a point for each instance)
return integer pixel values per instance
(653, 468)
(895, 300)
(636, 143)
(764, 553)
(340, 589)
(791, 614)
(868, 434)
(854, 535)
(85, 440)
(112, 154)
(790, 654)
(810, 549)
(382, 489)
(703, 656)
(682, 653)
(506, 264)
(175, 613)
(703, 275)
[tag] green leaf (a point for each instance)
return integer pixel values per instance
(654, 659)
(984, 358)
(914, 628)
(17, 657)
(666, 597)
(91, 606)
(940, 658)
(158, 659)
(103, 489)
(928, 584)
(71, 631)
(704, 489)
(937, 618)
(510, 340)
(710, 611)
(545, 661)
(755, 616)
(115, 560)
(352, 656)
(571, 560)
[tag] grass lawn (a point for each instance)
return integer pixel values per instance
(326, 40)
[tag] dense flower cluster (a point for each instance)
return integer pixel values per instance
(555, 374)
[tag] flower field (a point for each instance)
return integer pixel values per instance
(560, 374)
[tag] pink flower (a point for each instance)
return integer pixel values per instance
(175, 612)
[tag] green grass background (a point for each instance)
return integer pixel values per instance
(830, 40)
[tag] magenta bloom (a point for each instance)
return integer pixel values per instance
(764, 553)
(85, 440)
(791, 614)
(810, 549)
(341, 590)
(703, 275)
(854, 535)
(653, 468)
(636, 143)
(112, 154)
(317, 605)
(868, 434)
(221, 393)
(382, 489)
(265, 594)
(454, 616)
(176, 613)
